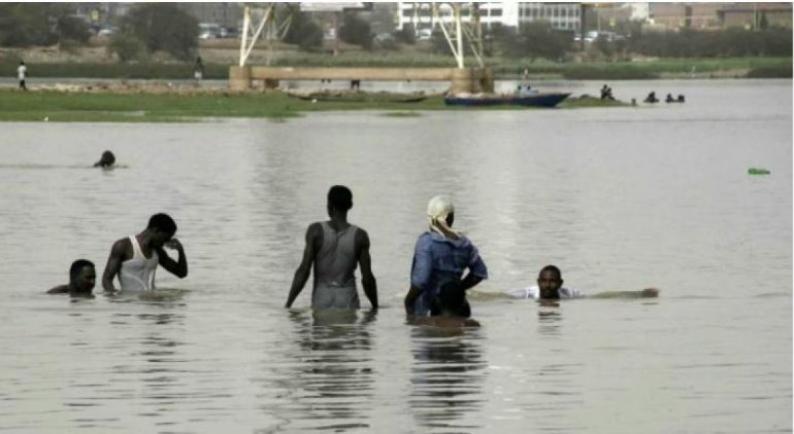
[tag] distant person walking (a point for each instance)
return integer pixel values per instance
(198, 70)
(22, 73)
(335, 248)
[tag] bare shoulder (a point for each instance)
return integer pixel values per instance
(121, 248)
(60, 289)
(362, 237)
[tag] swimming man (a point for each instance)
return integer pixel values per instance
(550, 287)
(334, 248)
(82, 277)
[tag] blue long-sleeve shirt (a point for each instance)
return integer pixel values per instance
(439, 260)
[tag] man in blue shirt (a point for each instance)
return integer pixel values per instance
(440, 258)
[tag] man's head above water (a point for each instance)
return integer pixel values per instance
(161, 228)
(82, 276)
(550, 282)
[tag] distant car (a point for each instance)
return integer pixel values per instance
(106, 32)
(424, 34)
(209, 30)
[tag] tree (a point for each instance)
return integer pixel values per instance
(303, 31)
(24, 24)
(356, 31)
(162, 27)
(407, 35)
(537, 39)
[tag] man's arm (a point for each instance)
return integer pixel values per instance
(365, 262)
(643, 293)
(421, 270)
(113, 265)
(470, 281)
(305, 268)
(410, 299)
(60, 289)
(179, 269)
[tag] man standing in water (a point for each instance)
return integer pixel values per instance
(440, 258)
(335, 248)
(135, 258)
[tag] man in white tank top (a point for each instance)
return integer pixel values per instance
(134, 259)
(334, 249)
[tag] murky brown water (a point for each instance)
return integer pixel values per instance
(618, 198)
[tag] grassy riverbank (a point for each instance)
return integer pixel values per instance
(741, 67)
(184, 107)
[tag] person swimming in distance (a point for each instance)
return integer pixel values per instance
(449, 309)
(82, 278)
(549, 287)
(106, 161)
(134, 259)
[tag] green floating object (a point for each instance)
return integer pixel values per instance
(758, 171)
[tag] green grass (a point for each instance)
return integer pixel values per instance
(140, 107)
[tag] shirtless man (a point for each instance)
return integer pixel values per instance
(135, 258)
(334, 249)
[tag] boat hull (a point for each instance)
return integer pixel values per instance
(539, 100)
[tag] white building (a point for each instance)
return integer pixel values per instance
(561, 16)
(420, 14)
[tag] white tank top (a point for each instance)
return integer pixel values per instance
(137, 273)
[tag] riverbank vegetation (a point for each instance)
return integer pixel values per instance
(54, 106)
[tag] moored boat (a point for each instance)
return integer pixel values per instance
(528, 100)
(358, 96)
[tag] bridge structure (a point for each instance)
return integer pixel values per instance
(259, 22)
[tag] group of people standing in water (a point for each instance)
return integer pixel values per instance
(446, 264)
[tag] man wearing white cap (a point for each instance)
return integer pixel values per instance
(440, 258)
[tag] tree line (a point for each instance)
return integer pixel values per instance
(164, 27)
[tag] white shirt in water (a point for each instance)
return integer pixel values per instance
(137, 273)
(21, 72)
(534, 292)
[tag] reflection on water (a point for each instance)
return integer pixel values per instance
(447, 377)
(330, 379)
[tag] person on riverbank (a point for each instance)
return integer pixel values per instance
(651, 98)
(198, 70)
(134, 259)
(606, 93)
(441, 256)
(22, 74)
(82, 278)
(106, 161)
(549, 287)
(334, 249)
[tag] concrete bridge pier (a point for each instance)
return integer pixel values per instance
(239, 77)
(466, 80)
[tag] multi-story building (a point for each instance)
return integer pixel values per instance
(755, 15)
(420, 14)
(561, 16)
(672, 16)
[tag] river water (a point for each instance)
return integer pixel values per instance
(619, 199)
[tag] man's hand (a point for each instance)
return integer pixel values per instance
(174, 244)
